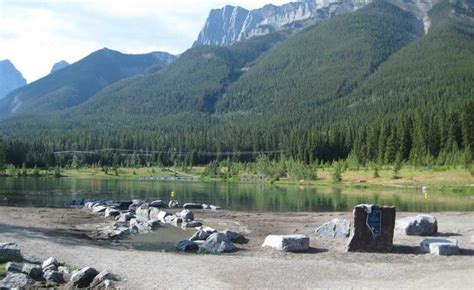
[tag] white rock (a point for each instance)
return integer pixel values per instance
(288, 243)
(50, 261)
(440, 247)
(420, 225)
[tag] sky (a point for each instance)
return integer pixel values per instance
(35, 34)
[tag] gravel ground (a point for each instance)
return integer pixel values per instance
(65, 234)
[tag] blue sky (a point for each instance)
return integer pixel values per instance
(34, 34)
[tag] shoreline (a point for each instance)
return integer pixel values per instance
(64, 233)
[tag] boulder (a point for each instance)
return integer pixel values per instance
(123, 204)
(191, 224)
(100, 278)
(217, 243)
(99, 208)
(125, 216)
(288, 243)
(235, 237)
(373, 229)
(143, 212)
(10, 252)
(173, 204)
(336, 228)
(13, 267)
(174, 221)
(139, 226)
(50, 262)
(420, 225)
(215, 207)
(83, 277)
(440, 247)
(190, 205)
(155, 213)
(154, 224)
(202, 234)
(158, 204)
(187, 246)
(135, 204)
(15, 280)
(33, 271)
(206, 206)
(111, 212)
(54, 276)
(119, 233)
(186, 215)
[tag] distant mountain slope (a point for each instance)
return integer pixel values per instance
(59, 65)
(193, 83)
(10, 78)
(76, 83)
(324, 62)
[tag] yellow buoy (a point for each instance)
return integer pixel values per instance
(173, 194)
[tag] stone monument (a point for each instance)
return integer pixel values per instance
(373, 228)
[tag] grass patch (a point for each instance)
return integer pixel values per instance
(3, 272)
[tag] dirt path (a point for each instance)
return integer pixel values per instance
(63, 233)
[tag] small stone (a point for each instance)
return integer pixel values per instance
(99, 208)
(440, 247)
(336, 228)
(235, 237)
(54, 276)
(191, 224)
(215, 207)
(187, 246)
(158, 204)
(217, 243)
(10, 252)
(100, 278)
(83, 277)
(288, 243)
(192, 206)
(420, 225)
(186, 215)
(173, 204)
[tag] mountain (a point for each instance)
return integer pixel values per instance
(74, 84)
(232, 24)
(59, 65)
(10, 78)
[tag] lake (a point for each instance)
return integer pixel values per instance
(54, 192)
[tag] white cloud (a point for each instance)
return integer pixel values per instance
(34, 34)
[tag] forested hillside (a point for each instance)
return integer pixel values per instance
(74, 84)
(368, 86)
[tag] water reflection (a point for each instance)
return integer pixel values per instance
(52, 192)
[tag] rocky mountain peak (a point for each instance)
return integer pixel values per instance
(59, 65)
(10, 78)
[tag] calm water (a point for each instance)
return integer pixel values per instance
(53, 192)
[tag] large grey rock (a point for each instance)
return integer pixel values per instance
(139, 226)
(420, 225)
(50, 261)
(143, 212)
(336, 228)
(54, 276)
(217, 243)
(32, 270)
(235, 237)
(10, 252)
(100, 278)
(186, 215)
(125, 216)
(192, 206)
(83, 277)
(215, 207)
(15, 280)
(154, 224)
(187, 246)
(287, 243)
(13, 267)
(99, 208)
(158, 214)
(440, 247)
(372, 232)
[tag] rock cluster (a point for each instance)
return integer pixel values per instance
(208, 240)
(50, 274)
(138, 216)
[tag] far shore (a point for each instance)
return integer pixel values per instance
(67, 234)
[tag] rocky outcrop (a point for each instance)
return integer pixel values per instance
(420, 225)
(287, 243)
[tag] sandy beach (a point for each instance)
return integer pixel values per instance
(67, 234)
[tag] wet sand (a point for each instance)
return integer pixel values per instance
(68, 234)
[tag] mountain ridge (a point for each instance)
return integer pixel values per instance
(10, 78)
